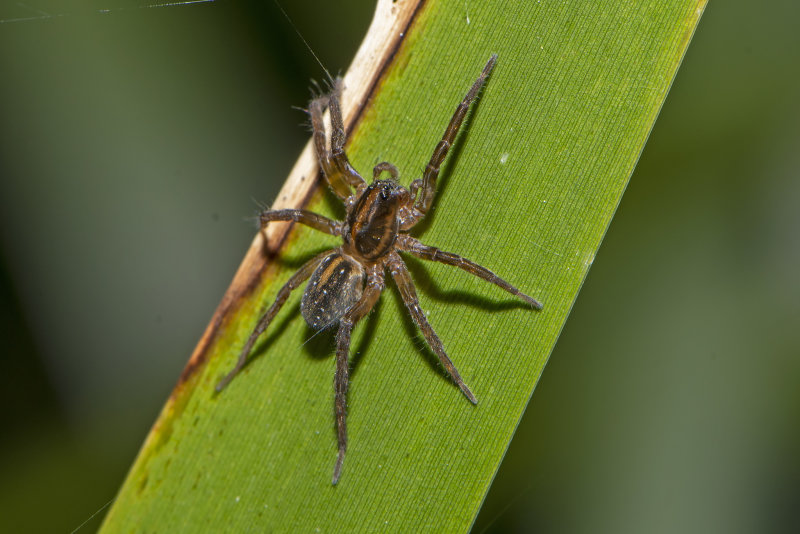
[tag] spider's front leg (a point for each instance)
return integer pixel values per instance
(335, 166)
(406, 286)
(425, 189)
(372, 292)
(338, 155)
(335, 179)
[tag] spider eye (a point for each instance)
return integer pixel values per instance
(387, 191)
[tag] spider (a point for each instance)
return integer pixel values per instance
(346, 282)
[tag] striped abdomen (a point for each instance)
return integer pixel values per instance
(335, 286)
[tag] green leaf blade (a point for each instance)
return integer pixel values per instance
(527, 191)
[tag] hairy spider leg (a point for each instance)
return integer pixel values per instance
(425, 189)
(413, 246)
(405, 284)
(294, 282)
(341, 381)
(309, 218)
(338, 155)
(334, 177)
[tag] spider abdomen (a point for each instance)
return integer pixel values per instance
(334, 287)
(373, 223)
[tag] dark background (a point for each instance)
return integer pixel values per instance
(133, 141)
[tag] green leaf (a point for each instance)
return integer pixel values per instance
(527, 191)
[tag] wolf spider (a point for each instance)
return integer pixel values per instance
(346, 282)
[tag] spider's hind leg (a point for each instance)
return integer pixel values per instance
(341, 381)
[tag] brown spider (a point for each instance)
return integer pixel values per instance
(346, 282)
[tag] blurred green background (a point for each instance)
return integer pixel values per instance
(134, 139)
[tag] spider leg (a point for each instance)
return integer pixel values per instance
(427, 188)
(372, 292)
(406, 286)
(334, 177)
(309, 218)
(412, 245)
(297, 278)
(338, 155)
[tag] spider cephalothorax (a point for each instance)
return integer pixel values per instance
(346, 282)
